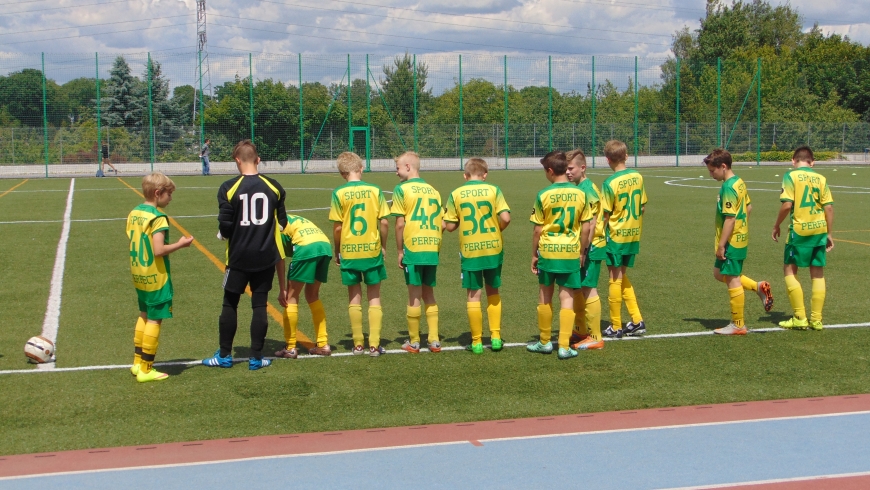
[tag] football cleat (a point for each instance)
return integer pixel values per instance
(412, 348)
(497, 344)
(254, 363)
(588, 344)
(287, 353)
(358, 350)
(576, 338)
(610, 333)
(134, 369)
(566, 353)
(375, 351)
(765, 295)
(476, 348)
(632, 329)
(816, 325)
(731, 329)
(152, 375)
(325, 351)
(435, 346)
(217, 361)
(795, 323)
(540, 348)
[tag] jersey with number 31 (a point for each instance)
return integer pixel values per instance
(359, 207)
(623, 196)
(476, 206)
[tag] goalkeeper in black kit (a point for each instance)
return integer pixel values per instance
(250, 218)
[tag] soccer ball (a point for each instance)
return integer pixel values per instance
(39, 349)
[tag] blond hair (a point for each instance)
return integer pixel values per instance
(245, 152)
(615, 151)
(414, 159)
(154, 183)
(576, 154)
(476, 167)
(349, 162)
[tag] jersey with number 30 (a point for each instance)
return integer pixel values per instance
(560, 210)
(809, 194)
(623, 196)
(476, 206)
(420, 205)
(150, 273)
(732, 202)
(359, 207)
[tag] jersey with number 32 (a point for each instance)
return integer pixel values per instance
(420, 205)
(476, 206)
(623, 196)
(359, 207)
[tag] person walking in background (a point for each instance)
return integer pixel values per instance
(105, 161)
(203, 155)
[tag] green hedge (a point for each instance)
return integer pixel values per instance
(783, 156)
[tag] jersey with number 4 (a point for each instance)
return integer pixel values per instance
(420, 205)
(809, 194)
(359, 207)
(623, 197)
(251, 217)
(732, 202)
(476, 206)
(150, 274)
(560, 210)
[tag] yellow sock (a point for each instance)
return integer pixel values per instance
(580, 315)
(818, 299)
(356, 326)
(566, 324)
(493, 314)
(376, 318)
(737, 301)
(748, 284)
(149, 346)
(318, 318)
(291, 321)
(545, 321)
(615, 299)
(413, 315)
(137, 340)
(795, 296)
(593, 316)
(475, 321)
(630, 300)
(431, 323)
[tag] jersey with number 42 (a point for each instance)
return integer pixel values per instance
(476, 206)
(809, 194)
(359, 207)
(150, 274)
(420, 205)
(623, 196)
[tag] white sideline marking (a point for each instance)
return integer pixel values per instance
(52, 312)
(768, 482)
(400, 351)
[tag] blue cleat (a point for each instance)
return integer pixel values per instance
(633, 329)
(254, 363)
(217, 361)
(540, 348)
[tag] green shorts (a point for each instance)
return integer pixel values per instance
(369, 276)
(618, 260)
(476, 279)
(565, 279)
(157, 312)
(590, 273)
(309, 271)
(804, 256)
(729, 267)
(420, 275)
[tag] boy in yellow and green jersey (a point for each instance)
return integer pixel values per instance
(359, 214)
(309, 269)
(587, 304)
(417, 208)
(806, 196)
(563, 221)
(479, 211)
(148, 231)
(623, 201)
(732, 240)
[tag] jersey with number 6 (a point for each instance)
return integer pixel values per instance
(809, 194)
(420, 205)
(251, 210)
(359, 207)
(150, 274)
(732, 202)
(560, 210)
(476, 206)
(623, 196)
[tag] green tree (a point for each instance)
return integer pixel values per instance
(398, 88)
(123, 97)
(165, 111)
(183, 96)
(81, 95)
(21, 98)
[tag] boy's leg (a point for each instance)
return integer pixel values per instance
(475, 316)
(795, 293)
(431, 310)
(376, 314)
(228, 322)
(614, 297)
(630, 299)
(414, 312)
(291, 318)
(545, 312)
(817, 301)
(150, 339)
(318, 317)
(492, 280)
(354, 311)
(137, 341)
(261, 284)
(566, 316)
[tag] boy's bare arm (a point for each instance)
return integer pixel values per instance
(336, 241)
(586, 231)
(727, 230)
(829, 218)
(400, 239)
(385, 233)
(450, 225)
(161, 249)
(536, 239)
(504, 219)
(783, 212)
(282, 283)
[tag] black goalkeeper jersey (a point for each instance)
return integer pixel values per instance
(251, 209)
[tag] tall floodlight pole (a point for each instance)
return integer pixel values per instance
(202, 72)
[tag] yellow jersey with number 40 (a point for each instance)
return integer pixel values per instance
(560, 210)
(623, 196)
(476, 206)
(420, 205)
(809, 194)
(150, 274)
(359, 207)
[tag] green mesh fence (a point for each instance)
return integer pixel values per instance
(71, 114)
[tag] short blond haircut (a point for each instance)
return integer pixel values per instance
(154, 183)
(349, 162)
(576, 154)
(476, 167)
(616, 151)
(245, 152)
(414, 159)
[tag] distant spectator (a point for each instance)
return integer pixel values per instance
(203, 155)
